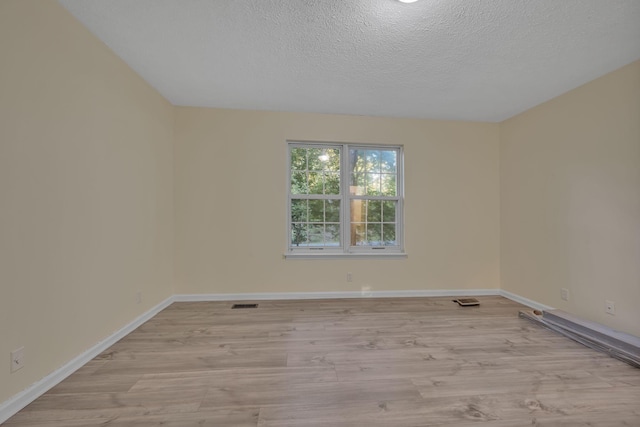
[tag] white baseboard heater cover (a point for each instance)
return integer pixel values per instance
(617, 344)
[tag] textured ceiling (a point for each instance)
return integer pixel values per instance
(483, 60)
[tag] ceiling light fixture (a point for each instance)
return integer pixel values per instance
(407, 1)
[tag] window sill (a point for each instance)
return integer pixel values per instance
(338, 255)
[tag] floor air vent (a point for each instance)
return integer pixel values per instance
(467, 302)
(244, 306)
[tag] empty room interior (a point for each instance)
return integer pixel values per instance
(341, 172)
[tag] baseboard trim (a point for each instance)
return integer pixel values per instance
(15, 403)
(524, 301)
(334, 295)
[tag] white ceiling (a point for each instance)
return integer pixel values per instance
(482, 60)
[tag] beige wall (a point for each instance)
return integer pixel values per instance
(88, 212)
(570, 200)
(86, 196)
(230, 181)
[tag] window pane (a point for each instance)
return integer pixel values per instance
(316, 184)
(358, 210)
(374, 211)
(332, 235)
(316, 210)
(357, 172)
(367, 223)
(373, 172)
(389, 211)
(316, 234)
(331, 160)
(374, 234)
(298, 210)
(373, 161)
(388, 161)
(357, 184)
(358, 234)
(298, 234)
(315, 160)
(299, 183)
(388, 185)
(358, 160)
(331, 183)
(332, 211)
(298, 159)
(373, 184)
(315, 170)
(316, 240)
(389, 234)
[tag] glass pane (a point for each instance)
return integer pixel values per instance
(307, 166)
(315, 159)
(358, 237)
(316, 240)
(373, 161)
(389, 234)
(316, 210)
(298, 158)
(389, 211)
(332, 211)
(298, 210)
(374, 211)
(315, 183)
(373, 184)
(358, 210)
(357, 172)
(299, 183)
(316, 234)
(374, 234)
(358, 160)
(388, 184)
(332, 235)
(331, 183)
(331, 160)
(388, 161)
(357, 184)
(298, 234)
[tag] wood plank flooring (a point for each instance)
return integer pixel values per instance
(355, 362)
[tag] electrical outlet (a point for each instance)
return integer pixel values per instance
(349, 277)
(611, 308)
(564, 294)
(138, 297)
(17, 359)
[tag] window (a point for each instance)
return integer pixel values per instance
(344, 199)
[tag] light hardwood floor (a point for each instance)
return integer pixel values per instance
(336, 363)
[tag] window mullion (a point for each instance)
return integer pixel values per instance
(383, 198)
(345, 175)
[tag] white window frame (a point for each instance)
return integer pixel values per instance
(345, 249)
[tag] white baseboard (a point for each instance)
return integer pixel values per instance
(15, 403)
(524, 301)
(333, 295)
